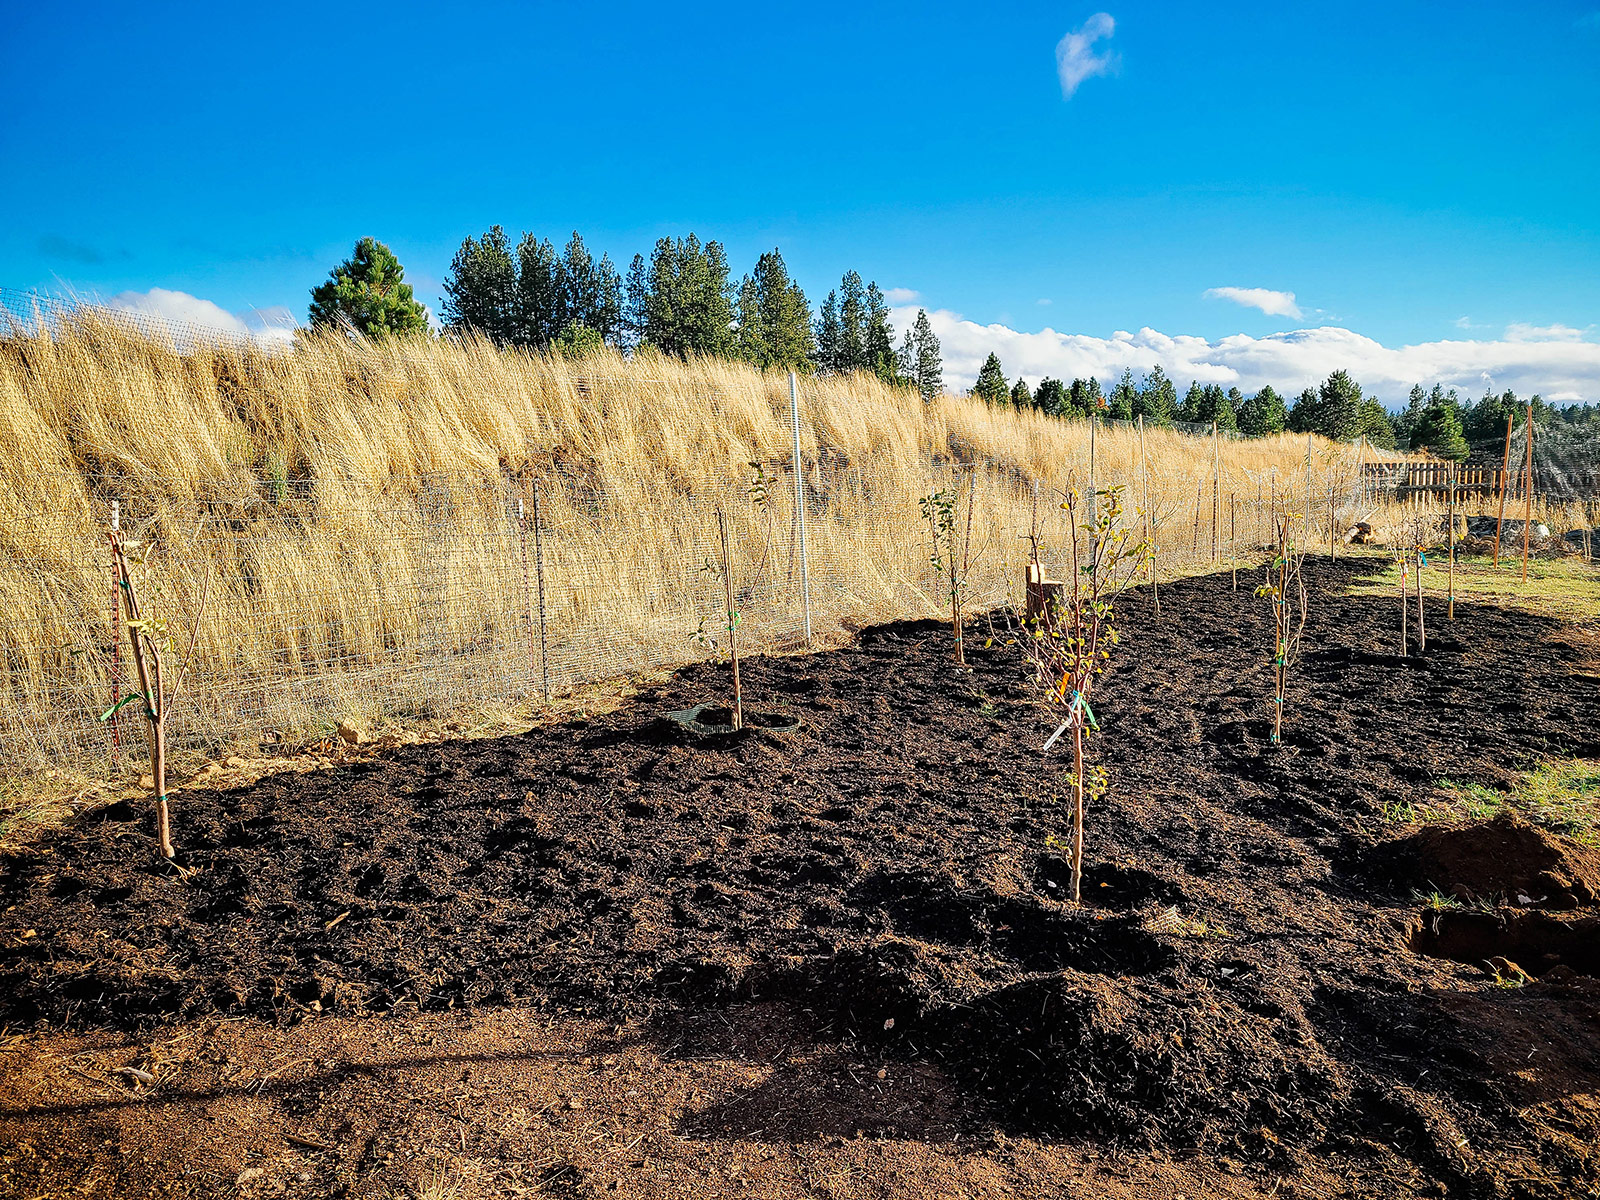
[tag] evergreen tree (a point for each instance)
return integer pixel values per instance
(1340, 415)
(1050, 397)
(852, 353)
(879, 338)
(1263, 413)
(591, 291)
(1021, 396)
(480, 291)
(928, 368)
(1123, 398)
(1158, 398)
(1405, 421)
(636, 302)
(774, 318)
(1306, 413)
(828, 334)
(689, 303)
(1375, 426)
(1439, 431)
(1078, 405)
(991, 382)
(1213, 405)
(1485, 421)
(1189, 410)
(907, 359)
(541, 312)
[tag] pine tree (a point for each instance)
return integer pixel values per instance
(1050, 397)
(828, 335)
(1439, 432)
(879, 345)
(541, 309)
(774, 318)
(1021, 396)
(591, 291)
(636, 303)
(1158, 399)
(991, 383)
(1375, 426)
(1306, 414)
(1213, 405)
(481, 288)
(852, 324)
(1123, 398)
(1263, 413)
(1340, 415)
(1189, 411)
(928, 368)
(689, 303)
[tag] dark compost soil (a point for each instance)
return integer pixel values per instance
(1250, 970)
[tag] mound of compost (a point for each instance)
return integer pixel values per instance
(1240, 973)
(1507, 859)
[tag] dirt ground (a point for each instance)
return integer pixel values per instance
(608, 957)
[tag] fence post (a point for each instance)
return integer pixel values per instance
(538, 566)
(116, 643)
(800, 507)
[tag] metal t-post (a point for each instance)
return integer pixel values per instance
(800, 506)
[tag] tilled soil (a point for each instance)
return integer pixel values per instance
(1250, 973)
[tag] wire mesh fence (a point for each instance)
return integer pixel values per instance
(385, 532)
(375, 600)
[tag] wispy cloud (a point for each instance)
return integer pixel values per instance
(1274, 304)
(1560, 370)
(901, 295)
(1518, 331)
(1075, 56)
(1044, 302)
(1589, 21)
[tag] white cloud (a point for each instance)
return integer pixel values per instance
(1519, 331)
(1075, 56)
(1560, 370)
(901, 295)
(186, 315)
(1274, 304)
(1465, 323)
(1044, 302)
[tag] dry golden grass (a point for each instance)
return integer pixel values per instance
(355, 506)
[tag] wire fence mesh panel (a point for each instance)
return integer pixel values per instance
(387, 529)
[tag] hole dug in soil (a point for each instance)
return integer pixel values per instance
(1513, 944)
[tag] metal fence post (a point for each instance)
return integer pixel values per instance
(800, 506)
(538, 566)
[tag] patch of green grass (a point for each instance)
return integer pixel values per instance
(1562, 795)
(1568, 588)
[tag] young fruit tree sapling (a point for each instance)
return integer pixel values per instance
(1068, 645)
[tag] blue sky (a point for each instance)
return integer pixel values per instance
(1417, 175)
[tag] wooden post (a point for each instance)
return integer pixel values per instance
(1450, 610)
(1233, 537)
(1404, 603)
(1149, 525)
(733, 620)
(1333, 554)
(1216, 490)
(1422, 625)
(538, 567)
(1527, 508)
(1194, 542)
(1505, 468)
(116, 640)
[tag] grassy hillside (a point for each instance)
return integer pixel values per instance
(362, 512)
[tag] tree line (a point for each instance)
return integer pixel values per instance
(682, 301)
(1435, 420)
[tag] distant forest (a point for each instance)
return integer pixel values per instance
(683, 301)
